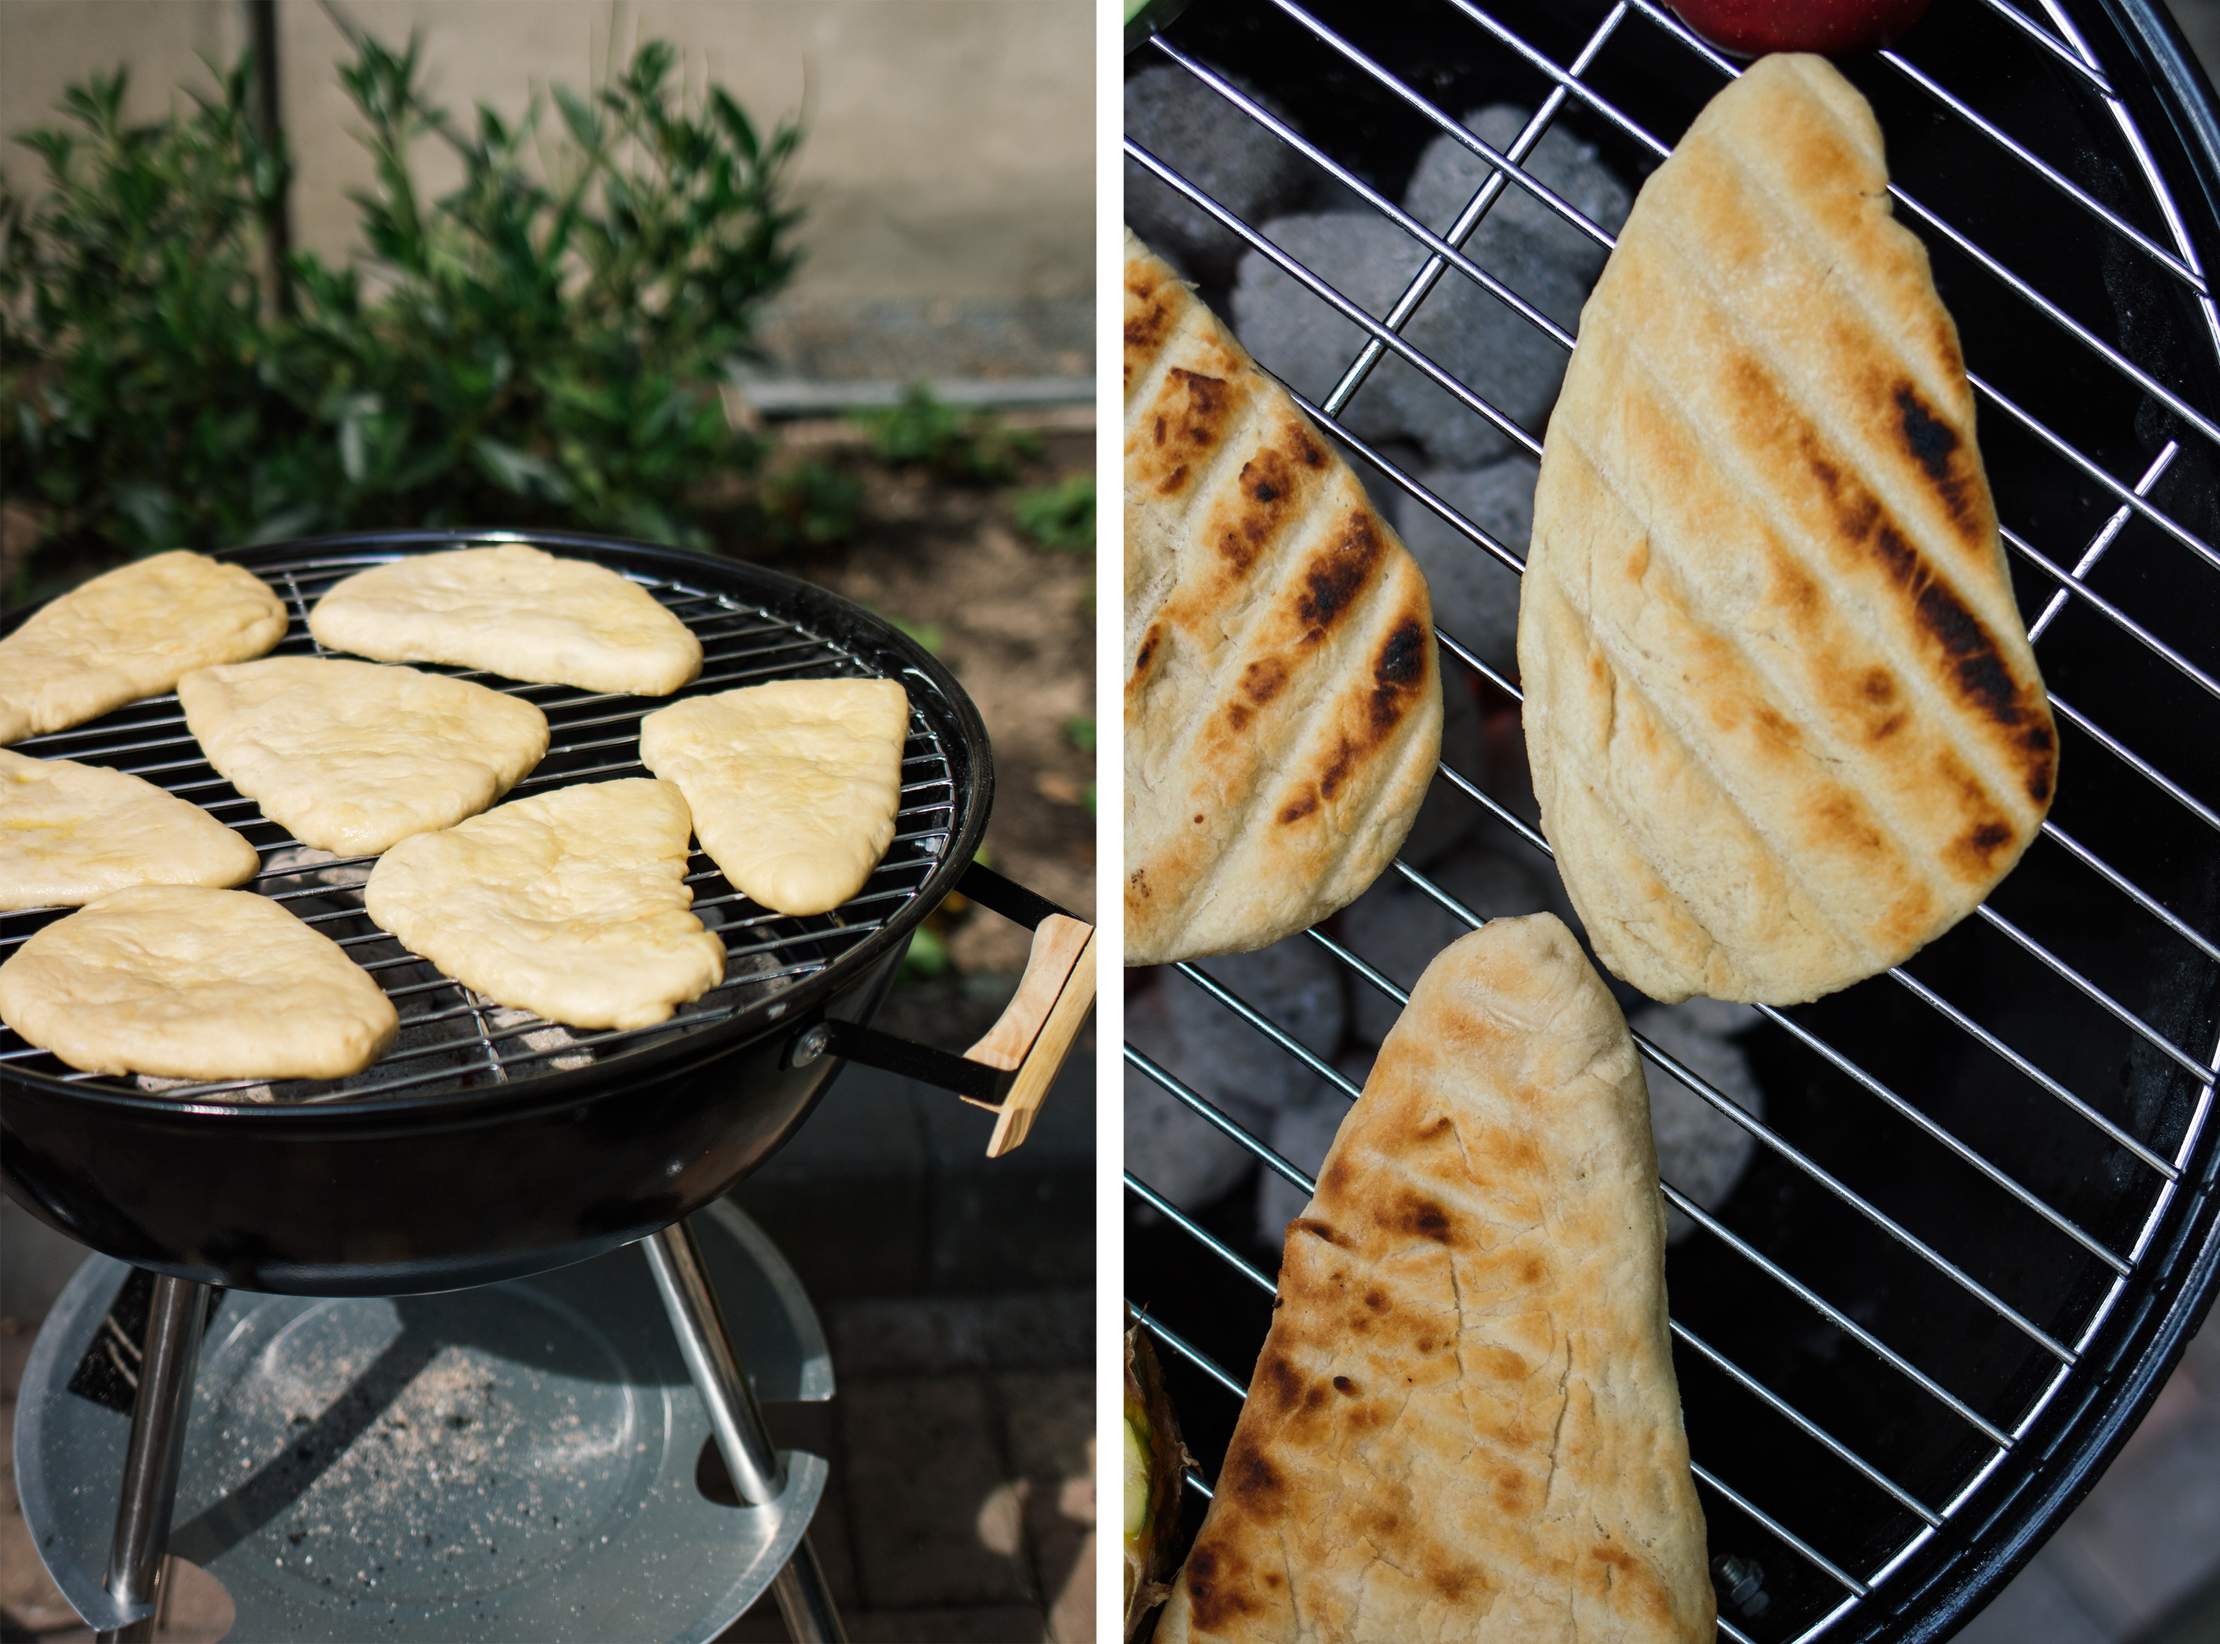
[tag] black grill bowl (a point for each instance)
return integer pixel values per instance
(502, 1165)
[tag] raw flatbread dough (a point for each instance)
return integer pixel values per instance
(1465, 1424)
(514, 611)
(71, 832)
(353, 757)
(189, 983)
(573, 904)
(793, 785)
(1283, 706)
(130, 633)
(1784, 721)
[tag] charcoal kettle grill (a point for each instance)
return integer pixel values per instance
(489, 1146)
(1982, 1212)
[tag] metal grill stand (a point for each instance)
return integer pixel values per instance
(130, 1600)
(736, 1419)
(138, 1556)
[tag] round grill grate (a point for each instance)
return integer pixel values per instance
(452, 1038)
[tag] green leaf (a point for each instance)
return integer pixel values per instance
(927, 954)
(518, 472)
(734, 119)
(1060, 516)
(578, 115)
(151, 513)
(651, 66)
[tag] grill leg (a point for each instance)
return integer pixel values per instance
(734, 1416)
(150, 1465)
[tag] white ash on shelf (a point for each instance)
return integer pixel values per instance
(392, 1470)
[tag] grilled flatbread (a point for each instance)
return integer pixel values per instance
(572, 904)
(794, 785)
(1282, 704)
(130, 633)
(354, 756)
(71, 832)
(188, 983)
(514, 611)
(1783, 717)
(1464, 1423)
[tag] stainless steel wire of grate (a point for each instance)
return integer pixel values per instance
(449, 1035)
(1916, 1489)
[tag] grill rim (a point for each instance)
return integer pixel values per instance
(1937, 1588)
(1934, 1584)
(971, 776)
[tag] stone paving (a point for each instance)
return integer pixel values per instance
(962, 1504)
(2143, 1543)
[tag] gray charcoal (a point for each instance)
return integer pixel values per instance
(1175, 1151)
(1448, 816)
(1449, 174)
(1718, 1016)
(1295, 983)
(1167, 1144)
(1215, 146)
(1462, 329)
(1475, 595)
(1298, 336)
(1397, 928)
(1301, 1133)
(1699, 1150)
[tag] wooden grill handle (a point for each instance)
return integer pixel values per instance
(1035, 1031)
(1008, 1071)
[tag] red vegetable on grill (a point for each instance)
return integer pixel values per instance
(1750, 28)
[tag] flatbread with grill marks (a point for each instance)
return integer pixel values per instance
(1783, 717)
(1464, 1424)
(1282, 702)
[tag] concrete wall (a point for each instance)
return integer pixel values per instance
(947, 171)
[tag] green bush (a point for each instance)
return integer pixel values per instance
(971, 447)
(810, 504)
(1060, 516)
(531, 346)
